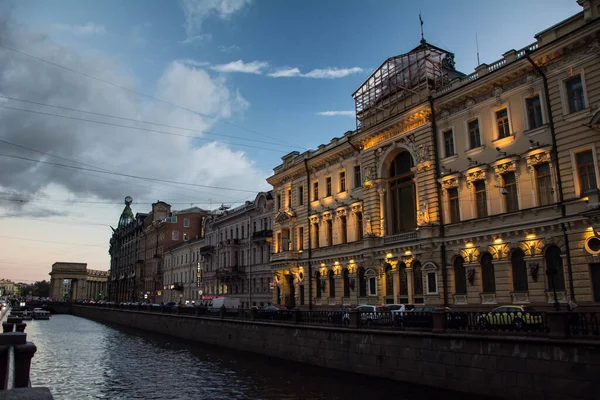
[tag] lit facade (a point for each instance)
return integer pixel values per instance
(458, 190)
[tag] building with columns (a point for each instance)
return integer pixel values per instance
(459, 190)
(74, 281)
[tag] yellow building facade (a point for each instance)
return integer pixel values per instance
(458, 190)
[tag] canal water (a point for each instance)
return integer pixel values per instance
(83, 359)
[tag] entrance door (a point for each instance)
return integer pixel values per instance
(595, 275)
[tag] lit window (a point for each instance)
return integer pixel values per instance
(185, 239)
(449, 143)
(586, 171)
(575, 98)
(502, 122)
(534, 112)
(474, 136)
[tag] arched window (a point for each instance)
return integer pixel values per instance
(519, 271)
(417, 279)
(318, 281)
(402, 194)
(346, 283)
(362, 282)
(554, 268)
(487, 273)
(460, 277)
(278, 295)
(389, 283)
(331, 284)
(403, 290)
(371, 282)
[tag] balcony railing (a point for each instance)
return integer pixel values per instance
(285, 255)
(401, 237)
(262, 235)
(207, 249)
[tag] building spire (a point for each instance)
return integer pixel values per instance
(422, 36)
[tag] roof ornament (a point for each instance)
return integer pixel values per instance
(422, 36)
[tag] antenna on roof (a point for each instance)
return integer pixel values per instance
(477, 46)
(421, 20)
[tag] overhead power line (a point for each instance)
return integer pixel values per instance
(126, 175)
(134, 91)
(147, 122)
(137, 128)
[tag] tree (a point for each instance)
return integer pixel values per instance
(41, 289)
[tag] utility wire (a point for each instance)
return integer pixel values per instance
(147, 122)
(127, 175)
(133, 90)
(137, 128)
(54, 242)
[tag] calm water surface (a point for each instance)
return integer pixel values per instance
(82, 359)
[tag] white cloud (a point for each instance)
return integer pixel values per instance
(286, 72)
(197, 11)
(82, 30)
(254, 67)
(193, 63)
(332, 73)
(348, 113)
(228, 49)
(196, 38)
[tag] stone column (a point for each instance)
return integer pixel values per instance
(409, 283)
(339, 289)
(396, 281)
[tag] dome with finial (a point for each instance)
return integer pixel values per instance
(127, 215)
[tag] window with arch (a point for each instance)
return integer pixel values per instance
(371, 277)
(417, 279)
(402, 194)
(346, 283)
(389, 283)
(519, 271)
(488, 278)
(403, 289)
(460, 276)
(318, 281)
(331, 284)
(554, 268)
(362, 282)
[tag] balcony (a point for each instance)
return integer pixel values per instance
(401, 237)
(230, 273)
(265, 234)
(290, 255)
(207, 249)
(231, 242)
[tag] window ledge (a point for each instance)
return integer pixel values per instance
(449, 160)
(342, 192)
(536, 131)
(357, 189)
(505, 141)
(474, 151)
(329, 196)
(579, 115)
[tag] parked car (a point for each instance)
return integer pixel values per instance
(373, 315)
(273, 313)
(517, 317)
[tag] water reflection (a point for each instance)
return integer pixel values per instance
(78, 358)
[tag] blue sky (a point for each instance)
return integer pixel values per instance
(264, 69)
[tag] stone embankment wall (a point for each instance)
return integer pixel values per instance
(508, 367)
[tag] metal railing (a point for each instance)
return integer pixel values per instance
(15, 355)
(573, 324)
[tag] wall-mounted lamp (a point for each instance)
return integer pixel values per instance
(504, 191)
(472, 162)
(500, 152)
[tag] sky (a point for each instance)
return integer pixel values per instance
(203, 97)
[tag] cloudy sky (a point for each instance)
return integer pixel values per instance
(202, 96)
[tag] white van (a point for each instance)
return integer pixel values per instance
(227, 302)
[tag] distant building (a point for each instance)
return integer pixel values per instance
(8, 288)
(74, 281)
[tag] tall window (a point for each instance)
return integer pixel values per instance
(328, 186)
(186, 222)
(372, 282)
(316, 235)
(474, 136)
(389, 283)
(289, 198)
(278, 201)
(417, 279)
(586, 171)
(329, 226)
(480, 198)
(453, 205)
(544, 184)
(315, 191)
(554, 267)
(243, 231)
(403, 278)
(343, 230)
(318, 281)
(331, 284)
(449, 143)
(502, 122)
(301, 238)
(342, 181)
(534, 112)
(511, 198)
(487, 273)
(301, 195)
(346, 283)
(460, 276)
(362, 283)
(359, 226)
(402, 194)
(575, 97)
(357, 176)
(519, 271)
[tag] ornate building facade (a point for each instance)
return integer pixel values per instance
(234, 253)
(457, 190)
